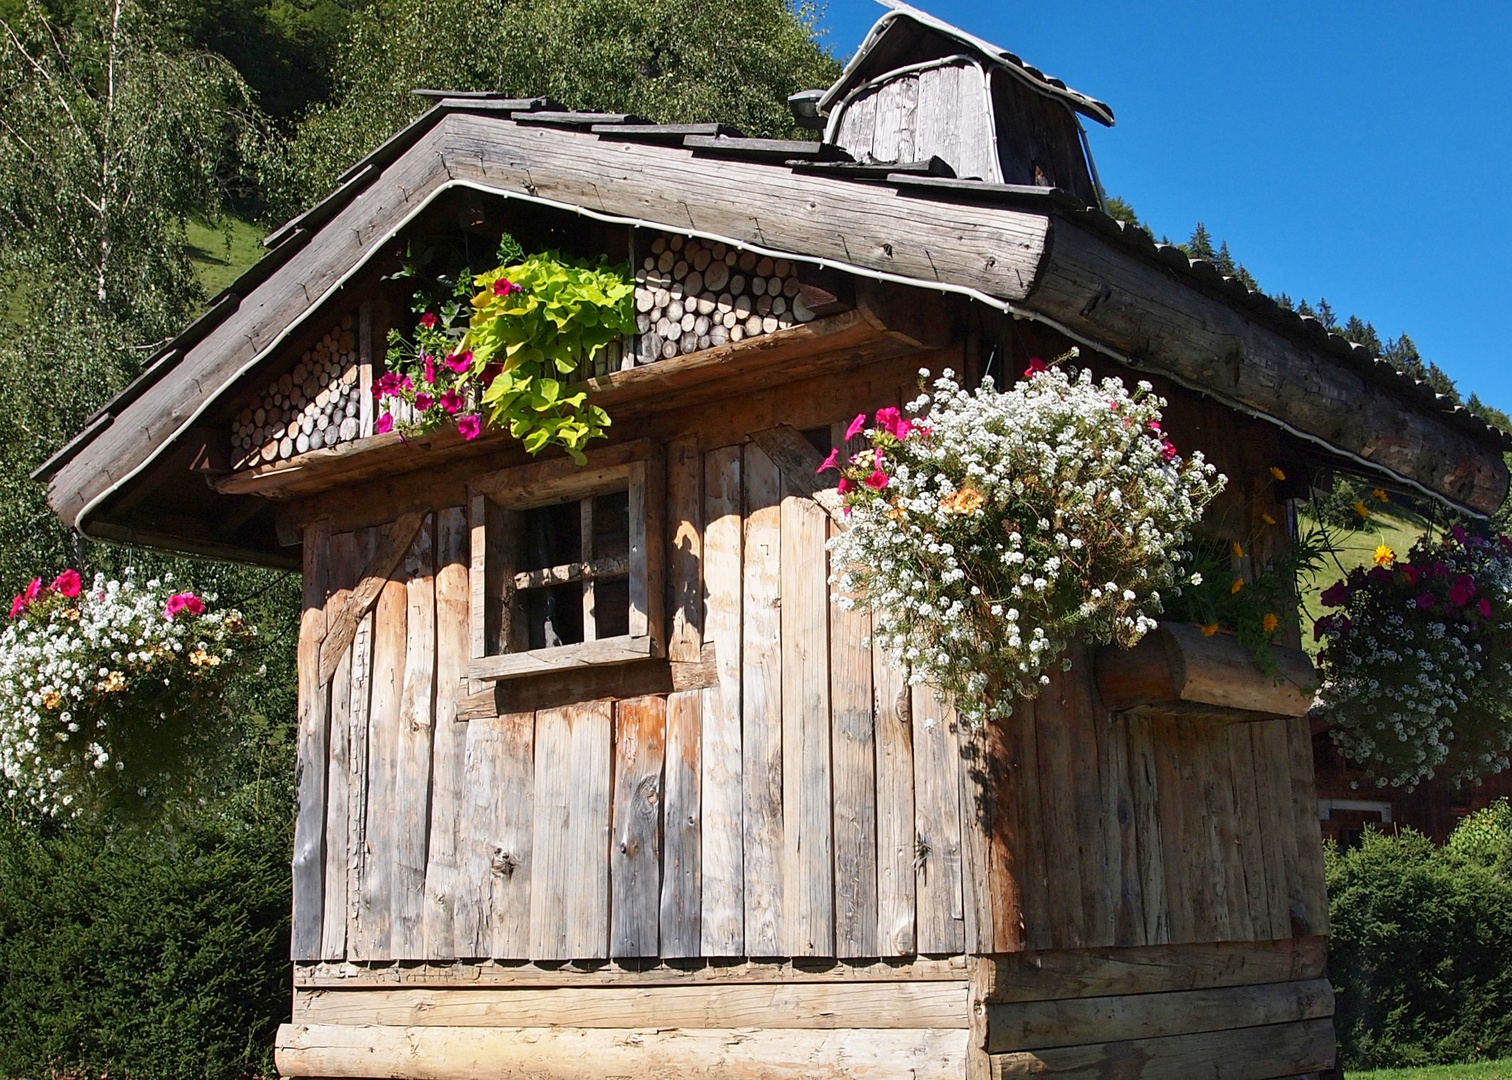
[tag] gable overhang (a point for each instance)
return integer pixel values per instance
(1025, 252)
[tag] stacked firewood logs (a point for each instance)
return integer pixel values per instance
(692, 295)
(316, 404)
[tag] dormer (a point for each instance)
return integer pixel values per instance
(919, 89)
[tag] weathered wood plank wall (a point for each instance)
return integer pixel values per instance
(807, 803)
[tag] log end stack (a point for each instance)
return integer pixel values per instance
(691, 294)
(315, 404)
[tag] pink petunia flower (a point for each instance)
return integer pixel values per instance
(1168, 450)
(1036, 367)
(469, 426)
(1335, 594)
(1425, 600)
(1155, 426)
(1484, 607)
(67, 584)
(384, 424)
(856, 426)
(829, 462)
(505, 287)
(844, 485)
(33, 590)
(424, 401)
(430, 368)
(459, 362)
(18, 605)
(451, 401)
(877, 479)
(428, 321)
(180, 602)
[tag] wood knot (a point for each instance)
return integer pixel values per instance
(503, 863)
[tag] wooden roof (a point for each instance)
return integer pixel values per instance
(1032, 252)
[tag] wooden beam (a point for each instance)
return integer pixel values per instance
(567, 1053)
(799, 463)
(1177, 667)
(343, 627)
(1112, 296)
(598, 569)
(625, 649)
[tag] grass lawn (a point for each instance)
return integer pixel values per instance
(1486, 1070)
(1395, 527)
(220, 254)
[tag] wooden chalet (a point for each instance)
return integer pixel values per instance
(593, 777)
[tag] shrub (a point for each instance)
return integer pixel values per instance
(1421, 951)
(155, 956)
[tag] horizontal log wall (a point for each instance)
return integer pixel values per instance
(786, 795)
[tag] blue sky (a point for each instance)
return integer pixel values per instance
(1358, 151)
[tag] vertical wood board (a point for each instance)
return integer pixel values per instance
(681, 888)
(311, 753)
(640, 726)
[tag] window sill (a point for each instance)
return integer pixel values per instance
(626, 649)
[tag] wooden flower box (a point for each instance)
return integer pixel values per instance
(1177, 668)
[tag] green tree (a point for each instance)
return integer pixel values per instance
(664, 59)
(1200, 246)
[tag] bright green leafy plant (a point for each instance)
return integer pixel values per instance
(534, 321)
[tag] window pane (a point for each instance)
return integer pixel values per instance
(553, 536)
(611, 607)
(611, 525)
(554, 615)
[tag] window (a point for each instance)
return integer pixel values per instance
(566, 564)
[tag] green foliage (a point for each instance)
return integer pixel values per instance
(158, 955)
(562, 314)
(1421, 948)
(664, 59)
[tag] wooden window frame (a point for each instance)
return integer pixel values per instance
(495, 504)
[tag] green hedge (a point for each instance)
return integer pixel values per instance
(148, 955)
(1421, 949)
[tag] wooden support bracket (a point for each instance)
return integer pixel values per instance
(343, 628)
(799, 464)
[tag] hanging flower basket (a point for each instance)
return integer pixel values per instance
(998, 528)
(110, 696)
(1417, 661)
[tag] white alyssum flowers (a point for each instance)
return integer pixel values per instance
(105, 689)
(999, 527)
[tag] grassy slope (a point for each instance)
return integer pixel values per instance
(1398, 529)
(1486, 1070)
(221, 254)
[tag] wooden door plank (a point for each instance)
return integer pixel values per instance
(640, 726)
(1165, 735)
(311, 752)
(1145, 801)
(937, 823)
(1099, 866)
(1249, 842)
(1271, 739)
(496, 838)
(1270, 850)
(853, 738)
(385, 748)
(1034, 888)
(359, 702)
(722, 929)
(1058, 815)
(411, 806)
(449, 746)
(896, 844)
(808, 842)
(333, 935)
(761, 706)
(1128, 900)
(569, 900)
(1309, 837)
(1224, 810)
(681, 892)
(685, 497)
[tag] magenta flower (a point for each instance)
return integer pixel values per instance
(459, 362)
(829, 462)
(856, 426)
(505, 287)
(180, 602)
(1036, 367)
(1168, 450)
(67, 584)
(1484, 607)
(1155, 426)
(430, 368)
(1425, 600)
(469, 426)
(451, 401)
(1335, 594)
(18, 605)
(424, 402)
(384, 424)
(877, 479)
(428, 321)
(844, 485)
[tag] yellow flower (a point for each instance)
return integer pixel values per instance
(1361, 509)
(1380, 494)
(966, 501)
(200, 658)
(1267, 519)
(1384, 556)
(1277, 473)
(114, 683)
(1238, 550)
(52, 701)
(1210, 629)
(1237, 585)
(1270, 622)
